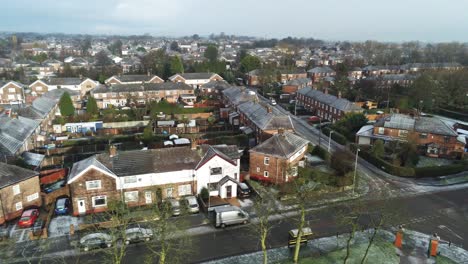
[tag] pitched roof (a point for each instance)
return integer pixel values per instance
(194, 75)
(14, 132)
(238, 94)
(264, 119)
(433, 125)
(134, 78)
(323, 69)
(56, 94)
(331, 100)
(64, 81)
(11, 174)
(281, 145)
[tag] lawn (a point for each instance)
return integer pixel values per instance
(168, 108)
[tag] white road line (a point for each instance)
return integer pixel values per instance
(450, 230)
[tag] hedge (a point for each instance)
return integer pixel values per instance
(336, 136)
(321, 152)
(434, 171)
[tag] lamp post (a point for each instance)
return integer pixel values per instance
(355, 170)
(329, 140)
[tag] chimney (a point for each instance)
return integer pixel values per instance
(194, 144)
(326, 91)
(112, 151)
(281, 131)
(339, 94)
(148, 73)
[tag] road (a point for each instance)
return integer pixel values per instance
(445, 213)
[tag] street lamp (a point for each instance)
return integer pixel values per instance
(355, 169)
(329, 139)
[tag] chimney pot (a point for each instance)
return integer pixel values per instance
(112, 151)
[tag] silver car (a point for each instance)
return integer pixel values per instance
(95, 240)
(138, 234)
(192, 204)
(175, 206)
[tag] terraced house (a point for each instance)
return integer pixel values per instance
(324, 105)
(144, 177)
(133, 79)
(196, 79)
(123, 94)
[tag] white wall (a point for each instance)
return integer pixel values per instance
(233, 185)
(154, 179)
(203, 173)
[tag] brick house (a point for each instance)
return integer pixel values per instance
(277, 159)
(291, 87)
(19, 189)
(433, 137)
(17, 134)
(133, 79)
(38, 88)
(11, 93)
(197, 79)
(318, 73)
(285, 76)
(324, 105)
(140, 177)
(82, 85)
(120, 94)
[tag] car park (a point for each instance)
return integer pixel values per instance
(28, 218)
(138, 234)
(243, 190)
(37, 227)
(191, 204)
(62, 206)
(95, 240)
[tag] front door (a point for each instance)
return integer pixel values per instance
(228, 191)
(81, 206)
(148, 197)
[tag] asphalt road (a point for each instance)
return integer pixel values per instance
(445, 213)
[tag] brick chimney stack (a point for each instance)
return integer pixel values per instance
(112, 151)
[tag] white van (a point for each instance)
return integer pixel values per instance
(230, 215)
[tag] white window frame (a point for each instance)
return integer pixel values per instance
(184, 189)
(18, 206)
(94, 198)
(11, 90)
(16, 189)
(92, 182)
(381, 130)
(32, 197)
(266, 160)
(131, 197)
(266, 174)
(130, 179)
(220, 173)
(169, 192)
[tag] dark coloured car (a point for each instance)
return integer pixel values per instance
(243, 190)
(138, 234)
(54, 186)
(95, 240)
(62, 206)
(38, 226)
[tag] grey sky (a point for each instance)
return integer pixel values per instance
(396, 20)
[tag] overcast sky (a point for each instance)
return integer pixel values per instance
(396, 20)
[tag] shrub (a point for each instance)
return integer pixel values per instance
(336, 136)
(322, 153)
(204, 194)
(434, 171)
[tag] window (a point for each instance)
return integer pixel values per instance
(11, 90)
(130, 179)
(216, 171)
(266, 160)
(93, 185)
(265, 174)
(423, 135)
(258, 169)
(18, 206)
(38, 88)
(212, 186)
(11, 97)
(131, 196)
(446, 139)
(99, 201)
(381, 130)
(169, 192)
(16, 189)
(32, 197)
(402, 133)
(185, 189)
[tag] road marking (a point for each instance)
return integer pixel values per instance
(450, 230)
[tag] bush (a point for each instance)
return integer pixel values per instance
(322, 153)
(336, 136)
(434, 171)
(204, 194)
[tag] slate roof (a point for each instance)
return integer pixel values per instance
(194, 75)
(323, 69)
(237, 95)
(138, 162)
(331, 100)
(64, 81)
(56, 94)
(397, 121)
(33, 159)
(3, 83)
(11, 174)
(134, 87)
(281, 145)
(14, 132)
(221, 85)
(39, 108)
(259, 115)
(167, 86)
(433, 125)
(135, 78)
(299, 81)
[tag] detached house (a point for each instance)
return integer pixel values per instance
(318, 73)
(133, 79)
(291, 87)
(277, 159)
(76, 84)
(144, 176)
(433, 136)
(196, 80)
(11, 93)
(19, 189)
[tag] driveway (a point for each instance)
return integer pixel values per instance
(60, 225)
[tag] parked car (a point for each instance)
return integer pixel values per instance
(28, 218)
(273, 102)
(191, 204)
(230, 215)
(243, 190)
(4, 232)
(95, 240)
(37, 227)
(54, 186)
(62, 206)
(175, 206)
(138, 234)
